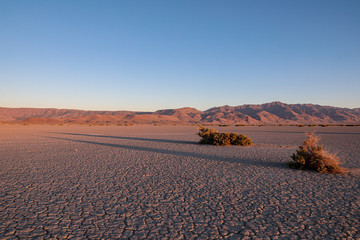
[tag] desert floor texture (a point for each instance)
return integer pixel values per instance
(156, 182)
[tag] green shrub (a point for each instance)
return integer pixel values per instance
(313, 157)
(211, 136)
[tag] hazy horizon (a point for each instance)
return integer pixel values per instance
(175, 107)
(146, 56)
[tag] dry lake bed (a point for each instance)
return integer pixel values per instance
(156, 182)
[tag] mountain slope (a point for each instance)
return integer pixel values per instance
(268, 113)
(17, 114)
(278, 112)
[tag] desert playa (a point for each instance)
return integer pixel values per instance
(157, 182)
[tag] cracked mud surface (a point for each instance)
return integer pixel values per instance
(156, 182)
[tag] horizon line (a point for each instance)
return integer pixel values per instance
(151, 111)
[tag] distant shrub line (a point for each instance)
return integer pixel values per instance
(298, 125)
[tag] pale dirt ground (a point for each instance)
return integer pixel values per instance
(156, 182)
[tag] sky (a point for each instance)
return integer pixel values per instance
(149, 55)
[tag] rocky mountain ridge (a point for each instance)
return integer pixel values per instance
(268, 113)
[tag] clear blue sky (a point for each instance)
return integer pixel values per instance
(149, 55)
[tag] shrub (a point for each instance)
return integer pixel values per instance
(314, 157)
(211, 136)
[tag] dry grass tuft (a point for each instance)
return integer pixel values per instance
(312, 156)
(211, 136)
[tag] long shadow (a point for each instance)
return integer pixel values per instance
(129, 138)
(184, 154)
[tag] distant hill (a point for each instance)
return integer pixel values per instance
(268, 113)
(18, 114)
(282, 113)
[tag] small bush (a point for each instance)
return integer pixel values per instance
(211, 136)
(314, 157)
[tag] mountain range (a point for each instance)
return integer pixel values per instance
(268, 113)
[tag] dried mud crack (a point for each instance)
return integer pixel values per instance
(146, 182)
